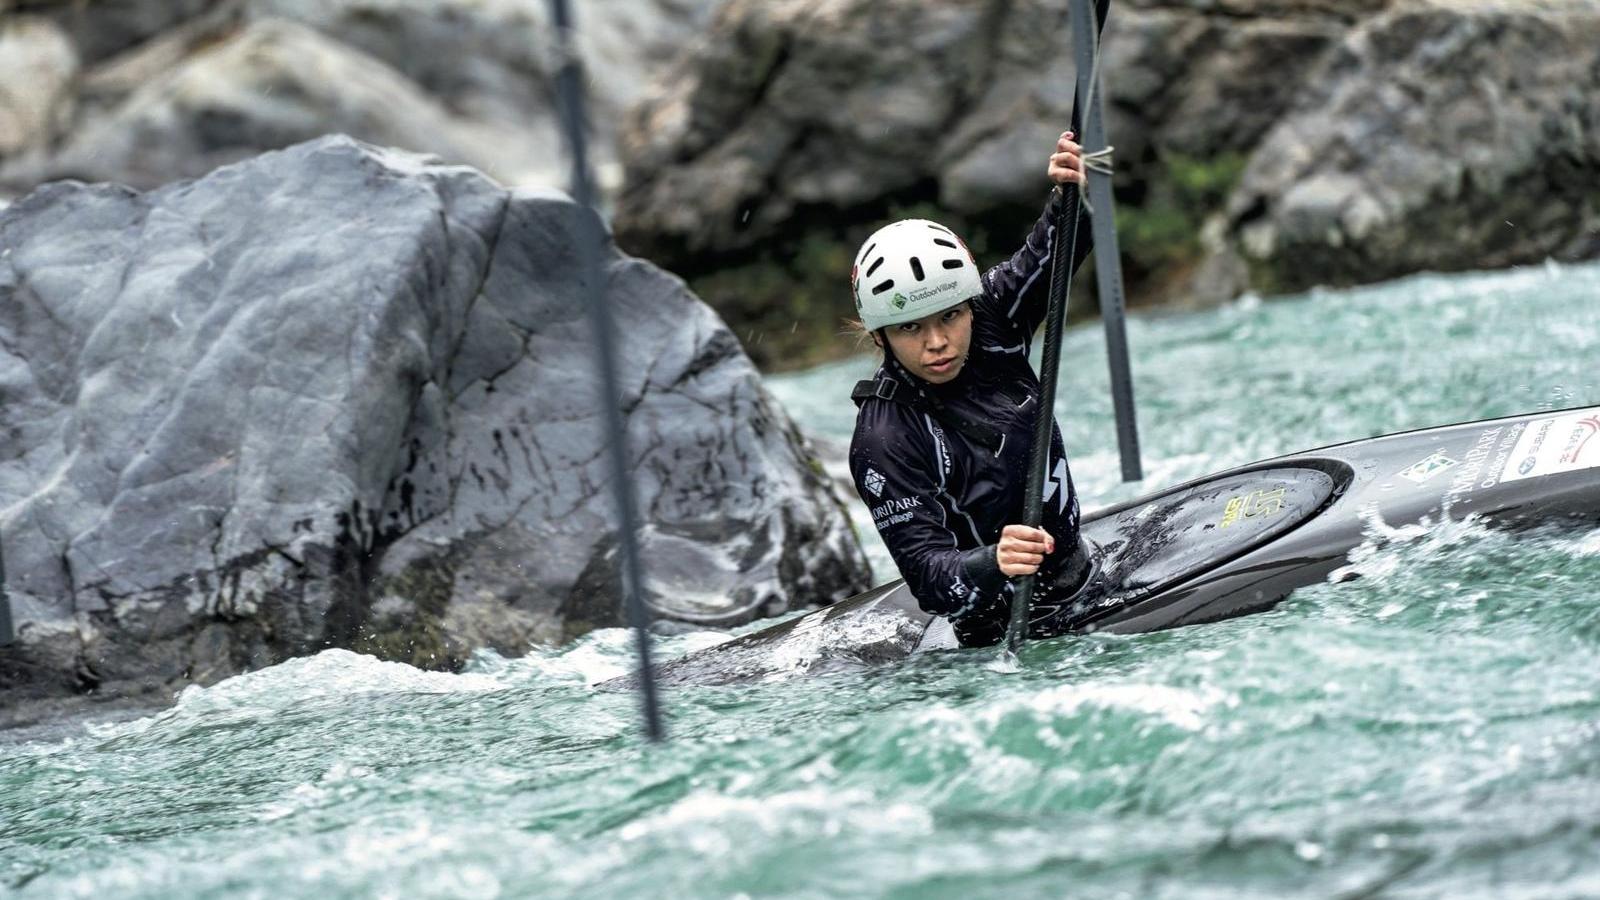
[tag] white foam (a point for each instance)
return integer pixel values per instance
(329, 673)
(806, 646)
(1183, 708)
(1586, 546)
(791, 812)
(600, 655)
(1387, 549)
(1179, 707)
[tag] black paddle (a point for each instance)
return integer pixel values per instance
(1063, 249)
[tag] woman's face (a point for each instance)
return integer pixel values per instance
(933, 348)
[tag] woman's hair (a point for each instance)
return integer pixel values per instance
(858, 329)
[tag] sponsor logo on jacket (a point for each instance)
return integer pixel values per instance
(893, 512)
(874, 482)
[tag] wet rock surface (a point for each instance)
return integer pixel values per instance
(1263, 145)
(171, 90)
(1442, 135)
(341, 396)
(750, 145)
(845, 103)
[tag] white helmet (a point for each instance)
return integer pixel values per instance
(911, 269)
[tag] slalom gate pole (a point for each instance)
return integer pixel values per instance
(1107, 257)
(590, 239)
(1063, 249)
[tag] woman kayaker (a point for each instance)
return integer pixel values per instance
(943, 430)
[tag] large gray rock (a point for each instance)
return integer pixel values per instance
(264, 85)
(1443, 135)
(494, 61)
(175, 91)
(343, 396)
(852, 104)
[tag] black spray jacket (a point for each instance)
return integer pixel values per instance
(940, 498)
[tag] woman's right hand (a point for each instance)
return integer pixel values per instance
(1022, 549)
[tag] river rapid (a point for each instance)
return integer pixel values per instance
(1431, 729)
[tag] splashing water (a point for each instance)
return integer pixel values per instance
(1429, 727)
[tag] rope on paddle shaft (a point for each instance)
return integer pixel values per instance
(1100, 160)
(1064, 248)
(589, 241)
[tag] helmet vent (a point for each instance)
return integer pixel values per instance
(953, 264)
(883, 287)
(916, 269)
(874, 266)
(944, 243)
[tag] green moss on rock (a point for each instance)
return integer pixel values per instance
(406, 623)
(1163, 232)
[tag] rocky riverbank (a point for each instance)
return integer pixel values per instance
(343, 396)
(144, 93)
(1262, 145)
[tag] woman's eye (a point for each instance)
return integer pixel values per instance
(909, 328)
(952, 315)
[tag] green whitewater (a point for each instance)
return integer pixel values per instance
(1431, 729)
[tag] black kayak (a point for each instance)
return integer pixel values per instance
(1227, 544)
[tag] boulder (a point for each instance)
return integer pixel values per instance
(174, 91)
(494, 61)
(343, 396)
(1441, 135)
(259, 86)
(37, 68)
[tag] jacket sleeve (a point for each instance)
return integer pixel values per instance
(902, 489)
(1019, 288)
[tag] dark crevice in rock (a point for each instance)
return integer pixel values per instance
(482, 281)
(488, 380)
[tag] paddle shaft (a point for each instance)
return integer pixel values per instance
(1064, 248)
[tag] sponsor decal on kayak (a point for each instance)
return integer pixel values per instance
(1424, 469)
(1252, 505)
(1566, 443)
(1581, 434)
(1484, 462)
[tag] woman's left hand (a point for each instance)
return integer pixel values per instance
(1066, 163)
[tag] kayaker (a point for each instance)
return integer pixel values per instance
(943, 430)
